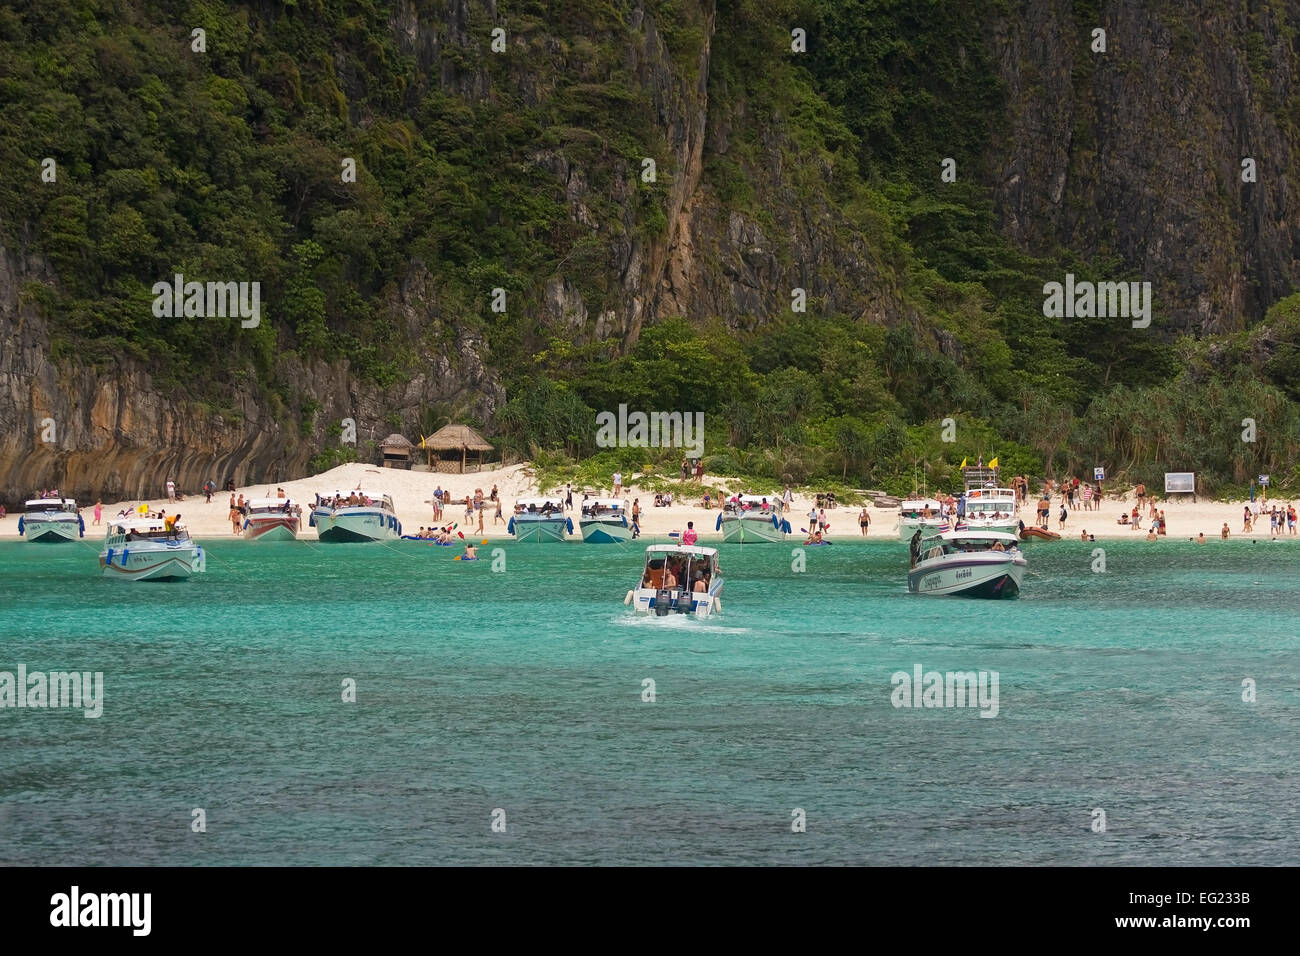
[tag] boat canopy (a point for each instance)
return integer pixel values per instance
(611, 504)
(139, 523)
(257, 504)
(51, 504)
(920, 504)
(682, 549)
(557, 504)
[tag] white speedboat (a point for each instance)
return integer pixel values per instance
(985, 564)
(539, 519)
(272, 519)
(51, 519)
(141, 548)
(986, 507)
(355, 516)
(605, 521)
(923, 513)
(753, 519)
(678, 579)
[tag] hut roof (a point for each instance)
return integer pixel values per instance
(396, 441)
(455, 437)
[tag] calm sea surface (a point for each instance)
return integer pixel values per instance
(521, 690)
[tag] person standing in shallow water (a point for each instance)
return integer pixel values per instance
(915, 546)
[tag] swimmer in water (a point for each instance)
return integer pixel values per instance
(470, 553)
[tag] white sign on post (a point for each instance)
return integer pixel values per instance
(1099, 474)
(1263, 480)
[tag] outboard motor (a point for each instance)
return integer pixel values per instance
(663, 602)
(685, 603)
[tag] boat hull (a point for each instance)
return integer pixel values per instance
(357, 524)
(278, 528)
(751, 531)
(979, 575)
(908, 527)
(50, 531)
(648, 601)
(605, 532)
(152, 563)
(540, 530)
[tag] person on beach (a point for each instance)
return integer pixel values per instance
(1044, 511)
(1164, 528)
(235, 516)
(99, 510)
(1141, 492)
(568, 497)
(864, 521)
(494, 496)
(1061, 517)
(1224, 533)
(787, 498)
(1245, 518)
(171, 490)
(499, 516)
(618, 484)
(480, 516)
(699, 470)
(690, 535)
(821, 521)
(1290, 519)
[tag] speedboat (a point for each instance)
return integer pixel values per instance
(355, 516)
(140, 548)
(984, 506)
(605, 521)
(51, 519)
(986, 564)
(272, 519)
(678, 579)
(924, 513)
(539, 519)
(752, 519)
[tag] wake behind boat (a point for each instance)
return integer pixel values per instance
(604, 521)
(986, 564)
(678, 579)
(355, 516)
(141, 548)
(540, 520)
(753, 519)
(50, 520)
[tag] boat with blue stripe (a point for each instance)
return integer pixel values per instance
(51, 520)
(605, 521)
(355, 516)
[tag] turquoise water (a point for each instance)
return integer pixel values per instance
(522, 690)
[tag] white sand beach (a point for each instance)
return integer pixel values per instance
(412, 493)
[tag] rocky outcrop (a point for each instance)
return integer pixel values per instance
(1136, 153)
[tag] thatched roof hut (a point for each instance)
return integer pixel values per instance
(452, 439)
(397, 451)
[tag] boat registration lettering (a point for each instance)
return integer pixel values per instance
(963, 574)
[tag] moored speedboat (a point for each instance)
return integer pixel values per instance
(753, 519)
(986, 564)
(540, 520)
(924, 513)
(272, 519)
(605, 521)
(984, 506)
(144, 549)
(51, 519)
(678, 579)
(355, 516)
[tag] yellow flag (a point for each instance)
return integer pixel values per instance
(963, 463)
(993, 463)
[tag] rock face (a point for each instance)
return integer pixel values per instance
(1138, 152)
(1134, 154)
